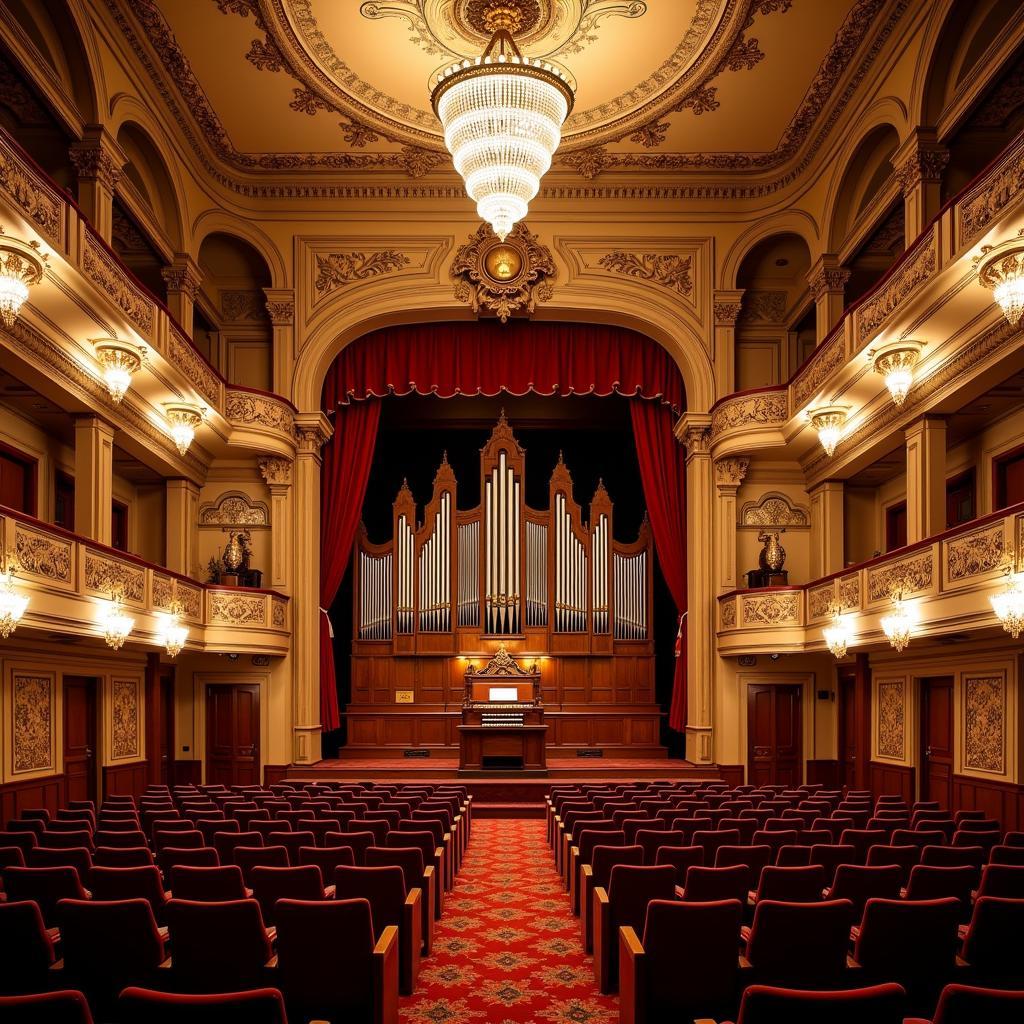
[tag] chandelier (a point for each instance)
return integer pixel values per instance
(1009, 605)
(172, 634)
(1001, 270)
(828, 421)
(183, 419)
(837, 635)
(115, 624)
(21, 267)
(898, 625)
(895, 362)
(120, 361)
(12, 604)
(502, 115)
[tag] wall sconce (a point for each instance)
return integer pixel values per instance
(837, 635)
(1001, 270)
(12, 604)
(895, 362)
(21, 266)
(1009, 605)
(120, 361)
(898, 626)
(183, 418)
(828, 421)
(172, 634)
(116, 625)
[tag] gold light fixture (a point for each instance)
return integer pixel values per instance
(898, 625)
(502, 115)
(12, 604)
(1009, 605)
(837, 635)
(21, 266)
(895, 362)
(828, 421)
(172, 633)
(117, 626)
(120, 361)
(1001, 270)
(183, 418)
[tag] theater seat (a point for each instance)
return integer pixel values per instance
(598, 873)
(968, 1004)
(765, 1004)
(64, 1007)
(992, 946)
(26, 948)
(410, 860)
(45, 886)
(208, 885)
(260, 1006)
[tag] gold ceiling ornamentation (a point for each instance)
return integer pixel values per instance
(503, 277)
(338, 269)
(671, 271)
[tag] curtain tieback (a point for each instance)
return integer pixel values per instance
(679, 636)
(330, 625)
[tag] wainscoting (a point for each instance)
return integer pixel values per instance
(125, 779)
(15, 797)
(892, 779)
(825, 773)
(1001, 800)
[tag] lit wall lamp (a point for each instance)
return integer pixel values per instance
(1001, 270)
(837, 635)
(21, 266)
(116, 626)
(895, 363)
(172, 634)
(828, 421)
(183, 418)
(898, 625)
(12, 604)
(1009, 605)
(120, 361)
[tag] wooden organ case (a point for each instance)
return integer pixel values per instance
(551, 587)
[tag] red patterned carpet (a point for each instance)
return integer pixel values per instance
(508, 948)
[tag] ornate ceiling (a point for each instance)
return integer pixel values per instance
(293, 85)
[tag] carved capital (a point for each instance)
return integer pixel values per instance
(826, 276)
(183, 275)
(730, 472)
(920, 161)
(694, 432)
(280, 306)
(727, 307)
(276, 472)
(97, 157)
(312, 431)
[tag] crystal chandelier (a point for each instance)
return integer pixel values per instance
(172, 634)
(837, 635)
(1001, 270)
(895, 362)
(828, 421)
(502, 115)
(183, 419)
(1009, 605)
(898, 625)
(116, 625)
(12, 604)
(21, 267)
(120, 360)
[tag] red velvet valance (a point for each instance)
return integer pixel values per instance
(449, 359)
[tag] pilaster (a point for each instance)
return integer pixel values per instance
(98, 161)
(827, 281)
(281, 309)
(182, 526)
(729, 474)
(184, 278)
(919, 163)
(278, 476)
(827, 528)
(926, 478)
(94, 477)
(727, 307)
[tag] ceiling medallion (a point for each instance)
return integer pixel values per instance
(503, 276)
(480, 15)
(502, 115)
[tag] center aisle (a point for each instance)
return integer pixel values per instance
(508, 949)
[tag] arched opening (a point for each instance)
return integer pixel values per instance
(776, 327)
(146, 187)
(231, 324)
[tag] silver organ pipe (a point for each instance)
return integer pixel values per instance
(630, 596)
(536, 574)
(375, 596)
(404, 561)
(469, 574)
(570, 573)
(435, 572)
(599, 547)
(502, 555)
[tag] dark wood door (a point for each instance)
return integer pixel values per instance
(937, 740)
(80, 737)
(774, 728)
(233, 735)
(167, 728)
(848, 731)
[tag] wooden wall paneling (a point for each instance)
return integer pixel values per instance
(125, 779)
(15, 797)
(1003, 801)
(892, 779)
(825, 772)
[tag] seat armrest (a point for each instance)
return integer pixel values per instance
(632, 1008)
(57, 965)
(271, 964)
(272, 935)
(167, 965)
(330, 891)
(385, 977)
(410, 938)
(603, 941)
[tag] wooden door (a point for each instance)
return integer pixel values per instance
(233, 734)
(848, 731)
(937, 740)
(167, 728)
(774, 729)
(80, 737)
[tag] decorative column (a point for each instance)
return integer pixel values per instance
(919, 163)
(98, 160)
(281, 309)
(184, 278)
(729, 474)
(827, 528)
(94, 477)
(278, 475)
(727, 307)
(182, 499)
(926, 478)
(694, 430)
(312, 429)
(827, 281)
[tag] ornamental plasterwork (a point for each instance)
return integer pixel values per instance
(164, 593)
(985, 723)
(182, 277)
(243, 408)
(727, 313)
(337, 269)
(530, 272)
(774, 509)
(845, 593)
(892, 719)
(924, 164)
(278, 613)
(772, 609)
(280, 306)
(820, 601)
(912, 273)
(825, 362)
(101, 268)
(32, 721)
(234, 509)
(849, 593)
(671, 271)
(124, 719)
(975, 553)
(196, 370)
(731, 471)
(998, 188)
(240, 304)
(823, 279)
(763, 307)
(31, 195)
(908, 576)
(728, 614)
(768, 409)
(106, 576)
(43, 555)
(276, 472)
(237, 609)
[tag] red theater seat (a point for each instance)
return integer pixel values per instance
(208, 884)
(26, 948)
(260, 1006)
(765, 1004)
(966, 1004)
(45, 886)
(63, 1007)
(992, 944)
(270, 884)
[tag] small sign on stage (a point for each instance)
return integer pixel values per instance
(403, 696)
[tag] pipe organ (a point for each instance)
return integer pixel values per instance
(552, 579)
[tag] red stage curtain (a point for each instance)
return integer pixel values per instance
(663, 472)
(346, 469)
